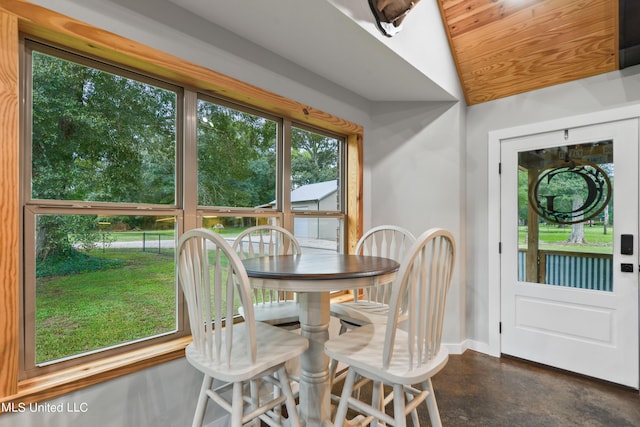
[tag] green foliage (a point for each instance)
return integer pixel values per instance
(96, 136)
(74, 262)
(99, 136)
(236, 157)
(314, 158)
(59, 236)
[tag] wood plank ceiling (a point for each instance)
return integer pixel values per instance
(506, 47)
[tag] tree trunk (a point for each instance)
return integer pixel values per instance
(577, 230)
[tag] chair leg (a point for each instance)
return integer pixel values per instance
(254, 386)
(333, 367)
(237, 405)
(277, 411)
(414, 414)
(341, 412)
(285, 385)
(398, 406)
(203, 399)
(377, 399)
(432, 405)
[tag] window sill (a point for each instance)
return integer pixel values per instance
(52, 385)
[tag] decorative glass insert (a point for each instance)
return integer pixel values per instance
(565, 216)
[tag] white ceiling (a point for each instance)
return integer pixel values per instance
(335, 39)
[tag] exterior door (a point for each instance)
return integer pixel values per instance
(569, 257)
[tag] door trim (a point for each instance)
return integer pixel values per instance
(493, 198)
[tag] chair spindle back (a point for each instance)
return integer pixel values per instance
(387, 241)
(419, 296)
(213, 280)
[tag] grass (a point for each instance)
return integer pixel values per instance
(83, 312)
(552, 237)
(90, 310)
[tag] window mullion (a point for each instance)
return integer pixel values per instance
(189, 188)
(285, 191)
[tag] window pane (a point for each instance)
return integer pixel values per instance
(319, 234)
(565, 213)
(315, 171)
(236, 157)
(97, 136)
(102, 281)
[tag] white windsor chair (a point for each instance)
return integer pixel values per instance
(401, 356)
(371, 305)
(273, 307)
(214, 281)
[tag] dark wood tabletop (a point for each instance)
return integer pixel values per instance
(314, 266)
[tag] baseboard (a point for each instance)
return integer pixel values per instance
(480, 347)
(460, 348)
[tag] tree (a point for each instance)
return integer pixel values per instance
(314, 158)
(97, 136)
(236, 157)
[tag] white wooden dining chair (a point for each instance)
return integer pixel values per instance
(238, 356)
(273, 307)
(371, 305)
(401, 357)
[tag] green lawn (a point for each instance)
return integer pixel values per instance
(86, 311)
(82, 312)
(552, 237)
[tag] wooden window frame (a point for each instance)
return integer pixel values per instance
(22, 17)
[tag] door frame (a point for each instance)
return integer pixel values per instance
(493, 197)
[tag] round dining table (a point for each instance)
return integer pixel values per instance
(313, 277)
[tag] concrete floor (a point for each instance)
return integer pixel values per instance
(479, 390)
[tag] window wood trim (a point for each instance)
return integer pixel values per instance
(9, 205)
(19, 16)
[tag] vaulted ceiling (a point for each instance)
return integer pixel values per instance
(506, 47)
(500, 47)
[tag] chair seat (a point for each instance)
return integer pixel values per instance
(276, 313)
(274, 346)
(359, 313)
(363, 349)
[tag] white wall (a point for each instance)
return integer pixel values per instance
(159, 396)
(591, 95)
(415, 179)
(422, 42)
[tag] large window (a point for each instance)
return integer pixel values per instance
(254, 168)
(100, 183)
(99, 274)
(109, 186)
